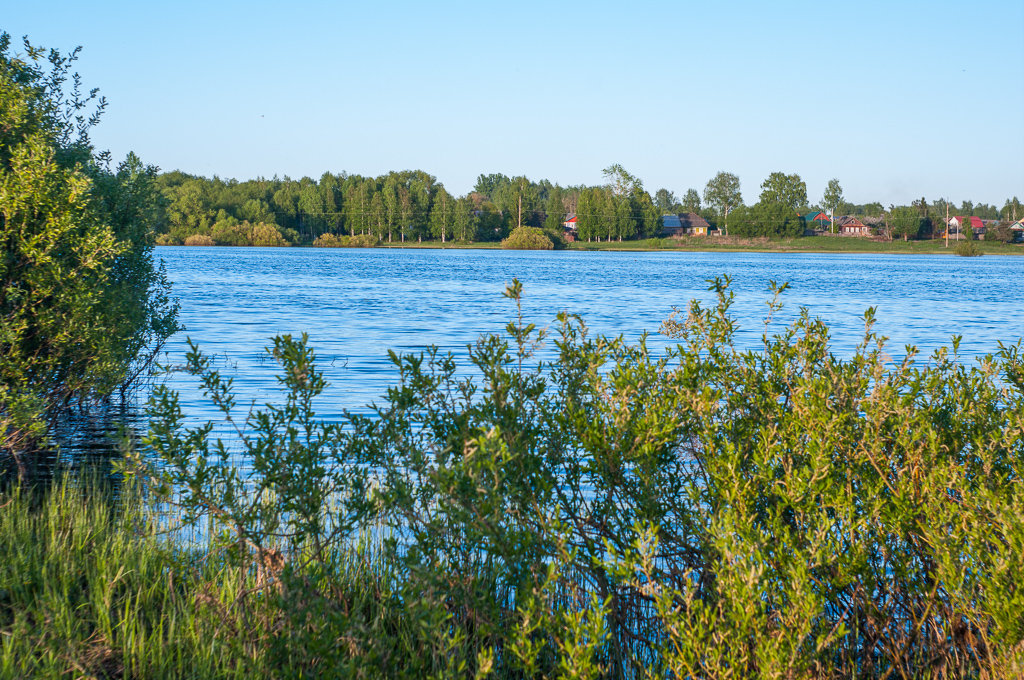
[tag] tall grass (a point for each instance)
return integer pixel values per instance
(89, 589)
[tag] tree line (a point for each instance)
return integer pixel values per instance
(413, 205)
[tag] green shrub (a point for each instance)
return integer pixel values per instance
(968, 248)
(611, 509)
(231, 232)
(527, 238)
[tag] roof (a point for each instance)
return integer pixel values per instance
(816, 216)
(976, 222)
(571, 217)
(849, 221)
(671, 221)
(693, 220)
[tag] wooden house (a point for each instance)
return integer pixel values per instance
(695, 224)
(848, 225)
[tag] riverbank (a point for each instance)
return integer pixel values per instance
(808, 244)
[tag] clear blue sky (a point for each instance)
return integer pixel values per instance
(896, 99)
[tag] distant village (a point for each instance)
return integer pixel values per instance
(818, 223)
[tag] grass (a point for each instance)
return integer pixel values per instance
(807, 244)
(89, 590)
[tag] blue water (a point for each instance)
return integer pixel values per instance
(355, 304)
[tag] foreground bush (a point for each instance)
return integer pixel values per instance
(83, 307)
(706, 512)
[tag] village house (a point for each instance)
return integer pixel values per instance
(816, 223)
(570, 228)
(570, 222)
(684, 224)
(957, 222)
(848, 225)
(1018, 230)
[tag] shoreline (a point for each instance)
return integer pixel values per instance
(802, 245)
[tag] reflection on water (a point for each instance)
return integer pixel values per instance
(85, 442)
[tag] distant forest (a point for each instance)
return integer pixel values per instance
(413, 205)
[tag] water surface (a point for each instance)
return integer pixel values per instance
(355, 304)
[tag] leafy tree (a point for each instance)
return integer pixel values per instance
(665, 200)
(463, 221)
(442, 217)
(832, 200)
(625, 219)
(786, 190)
(722, 193)
(554, 211)
(620, 181)
(1011, 210)
(357, 206)
(378, 217)
(872, 209)
(487, 185)
(905, 221)
(285, 203)
(691, 201)
(256, 210)
(586, 220)
(80, 298)
(390, 200)
(650, 217)
(768, 219)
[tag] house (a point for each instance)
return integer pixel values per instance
(816, 222)
(1018, 230)
(671, 225)
(695, 224)
(690, 224)
(848, 225)
(570, 222)
(957, 221)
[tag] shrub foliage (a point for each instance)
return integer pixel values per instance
(601, 510)
(80, 297)
(527, 238)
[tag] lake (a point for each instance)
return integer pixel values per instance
(355, 304)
